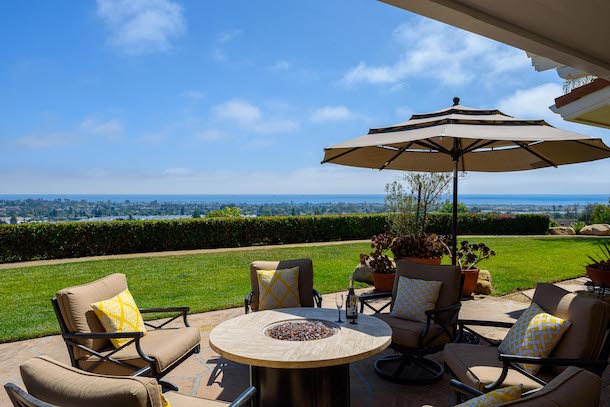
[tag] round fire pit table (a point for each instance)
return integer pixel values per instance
(293, 372)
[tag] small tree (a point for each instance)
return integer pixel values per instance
(447, 207)
(601, 214)
(411, 197)
(227, 212)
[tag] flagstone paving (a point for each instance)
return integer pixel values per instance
(209, 376)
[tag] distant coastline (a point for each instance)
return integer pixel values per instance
(468, 199)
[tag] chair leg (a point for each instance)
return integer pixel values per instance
(167, 386)
(409, 369)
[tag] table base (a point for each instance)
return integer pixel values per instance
(319, 387)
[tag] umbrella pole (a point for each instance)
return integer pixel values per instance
(454, 219)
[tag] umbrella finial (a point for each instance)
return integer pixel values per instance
(456, 101)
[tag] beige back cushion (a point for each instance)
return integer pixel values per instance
(450, 276)
(65, 386)
(573, 387)
(75, 306)
(305, 278)
(589, 318)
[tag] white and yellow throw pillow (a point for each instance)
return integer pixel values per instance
(493, 398)
(278, 288)
(414, 298)
(119, 314)
(534, 334)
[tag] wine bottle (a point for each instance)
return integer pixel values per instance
(351, 306)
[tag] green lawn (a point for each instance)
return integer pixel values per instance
(214, 281)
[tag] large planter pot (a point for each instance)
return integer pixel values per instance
(599, 276)
(470, 281)
(433, 260)
(383, 282)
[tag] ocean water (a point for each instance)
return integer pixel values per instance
(468, 199)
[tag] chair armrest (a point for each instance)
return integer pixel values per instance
(475, 322)
(464, 389)
(536, 360)
(244, 399)
(317, 297)
(182, 310)
(451, 308)
(103, 335)
(374, 296)
(248, 301)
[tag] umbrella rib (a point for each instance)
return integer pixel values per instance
(589, 145)
(340, 155)
(529, 150)
(402, 150)
(433, 146)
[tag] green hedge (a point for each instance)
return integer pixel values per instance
(36, 241)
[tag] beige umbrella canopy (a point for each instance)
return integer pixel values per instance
(461, 138)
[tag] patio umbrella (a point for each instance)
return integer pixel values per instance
(461, 138)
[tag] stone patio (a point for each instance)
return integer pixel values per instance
(209, 376)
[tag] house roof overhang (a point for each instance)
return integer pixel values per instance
(588, 104)
(571, 33)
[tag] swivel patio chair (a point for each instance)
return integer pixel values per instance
(53, 384)
(154, 354)
(584, 344)
(573, 387)
(413, 340)
(308, 296)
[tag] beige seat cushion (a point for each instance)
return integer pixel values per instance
(574, 387)
(180, 400)
(479, 365)
(65, 386)
(406, 333)
(75, 306)
(305, 279)
(164, 345)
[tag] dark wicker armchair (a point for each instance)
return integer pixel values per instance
(308, 296)
(155, 353)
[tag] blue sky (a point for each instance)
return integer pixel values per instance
(168, 96)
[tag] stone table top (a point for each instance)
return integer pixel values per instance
(243, 340)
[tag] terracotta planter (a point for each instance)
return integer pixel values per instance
(598, 276)
(433, 260)
(383, 282)
(470, 281)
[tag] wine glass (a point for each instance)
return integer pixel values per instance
(339, 303)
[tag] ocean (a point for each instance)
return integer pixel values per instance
(468, 199)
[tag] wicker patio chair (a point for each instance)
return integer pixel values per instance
(53, 384)
(573, 387)
(308, 296)
(154, 354)
(584, 344)
(413, 340)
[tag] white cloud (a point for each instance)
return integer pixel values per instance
(45, 140)
(222, 40)
(213, 135)
(281, 65)
(142, 26)
(432, 49)
(532, 103)
(109, 129)
(177, 171)
(193, 94)
(332, 113)
(250, 118)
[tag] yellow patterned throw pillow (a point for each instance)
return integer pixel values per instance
(493, 398)
(119, 314)
(534, 334)
(414, 298)
(278, 288)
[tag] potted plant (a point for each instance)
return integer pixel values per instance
(599, 268)
(383, 268)
(468, 256)
(427, 248)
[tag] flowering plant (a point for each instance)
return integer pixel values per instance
(470, 254)
(378, 260)
(425, 246)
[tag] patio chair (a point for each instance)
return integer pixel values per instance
(413, 340)
(573, 387)
(584, 344)
(308, 296)
(53, 384)
(154, 354)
